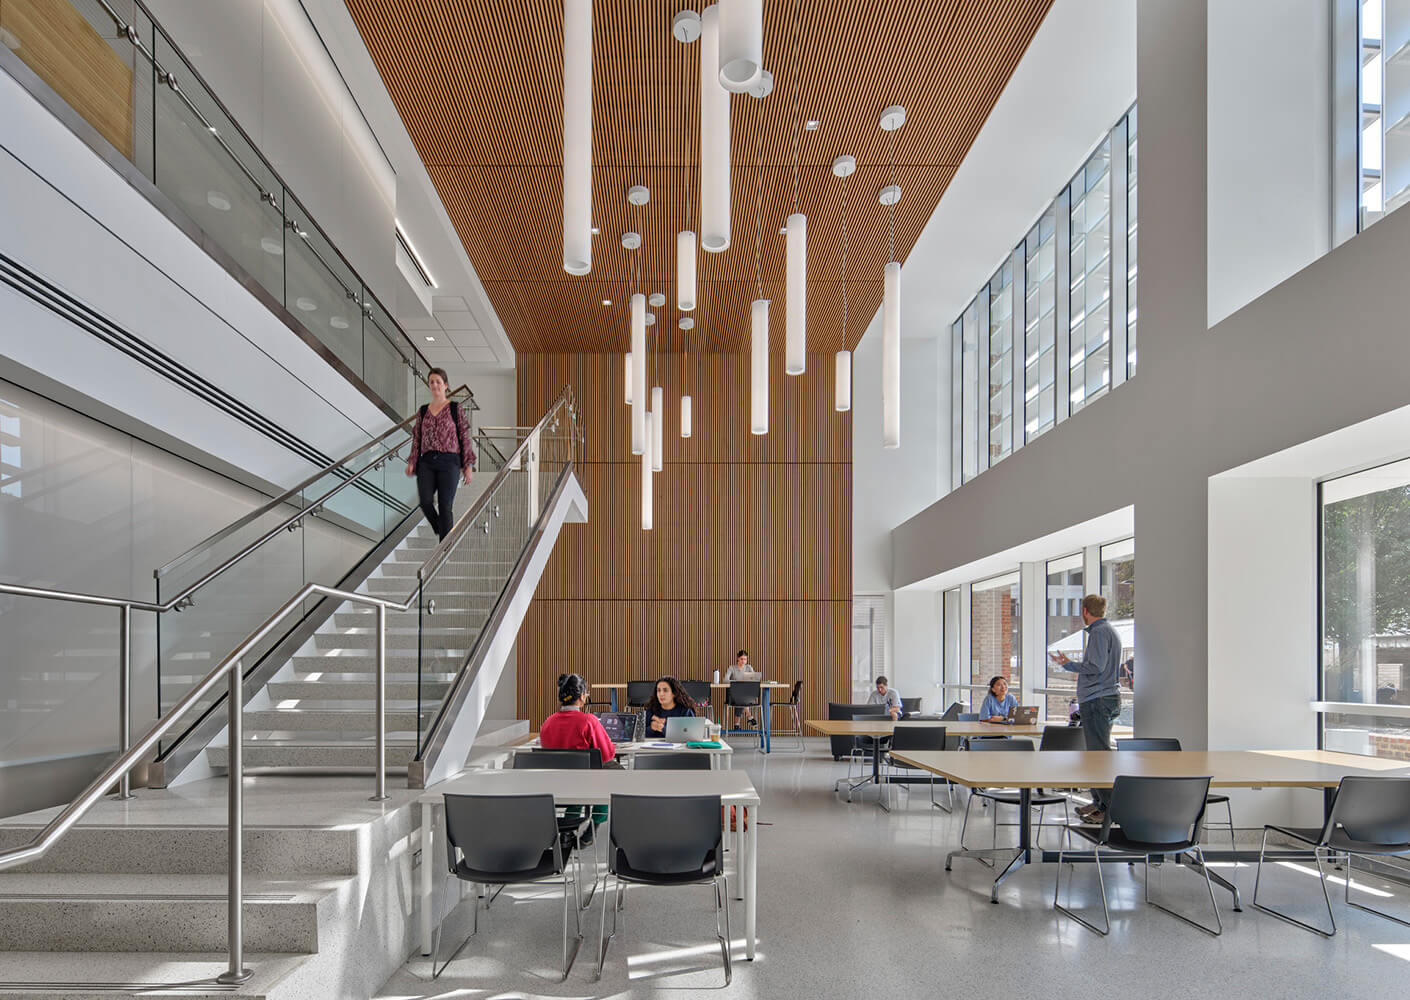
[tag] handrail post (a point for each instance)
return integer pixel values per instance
(381, 793)
(125, 694)
(235, 834)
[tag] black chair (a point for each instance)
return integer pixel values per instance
(841, 746)
(671, 761)
(1370, 817)
(575, 824)
(739, 696)
(858, 749)
(1158, 744)
(674, 843)
(640, 693)
(699, 692)
(1038, 799)
(507, 840)
(791, 706)
(1146, 816)
(918, 736)
(910, 706)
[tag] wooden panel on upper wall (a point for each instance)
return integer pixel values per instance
(479, 85)
(804, 426)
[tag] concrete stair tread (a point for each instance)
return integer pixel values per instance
(329, 720)
(104, 885)
(49, 975)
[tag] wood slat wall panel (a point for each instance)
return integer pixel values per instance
(752, 544)
(478, 83)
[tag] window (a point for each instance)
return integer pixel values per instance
(1118, 586)
(969, 415)
(869, 621)
(1064, 629)
(1089, 325)
(994, 630)
(950, 651)
(1365, 643)
(1001, 363)
(1378, 176)
(1131, 243)
(1040, 317)
(11, 462)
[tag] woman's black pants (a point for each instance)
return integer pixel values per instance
(437, 473)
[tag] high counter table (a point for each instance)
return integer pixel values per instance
(1315, 769)
(764, 688)
(594, 788)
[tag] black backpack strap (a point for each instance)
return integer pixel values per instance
(455, 419)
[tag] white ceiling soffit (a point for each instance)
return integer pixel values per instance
(419, 208)
(1076, 79)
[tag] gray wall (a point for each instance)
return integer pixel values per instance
(1322, 351)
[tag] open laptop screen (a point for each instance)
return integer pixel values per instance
(620, 726)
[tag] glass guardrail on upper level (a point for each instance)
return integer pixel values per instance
(111, 62)
(305, 536)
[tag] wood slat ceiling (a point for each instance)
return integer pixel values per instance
(478, 83)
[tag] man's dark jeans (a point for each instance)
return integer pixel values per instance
(1097, 717)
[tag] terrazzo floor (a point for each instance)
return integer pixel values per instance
(855, 902)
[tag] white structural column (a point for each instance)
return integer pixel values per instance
(714, 139)
(577, 136)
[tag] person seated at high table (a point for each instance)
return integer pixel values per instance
(570, 728)
(736, 672)
(998, 703)
(669, 702)
(888, 696)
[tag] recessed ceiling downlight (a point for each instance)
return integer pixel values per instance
(218, 200)
(338, 323)
(306, 304)
(271, 246)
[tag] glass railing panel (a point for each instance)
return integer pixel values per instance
(385, 365)
(202, 162)
(322, 291)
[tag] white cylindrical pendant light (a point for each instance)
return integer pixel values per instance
(685, 416)
(577, 136)
(759, 368)
(646, 485)
(658, 427)
(844, 381)
(639, 439)
(741, 43)
(795, 353)
(685, 270)
(627, 373)
(891, 357)
(714, 138)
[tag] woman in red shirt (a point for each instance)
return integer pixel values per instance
(570, 728)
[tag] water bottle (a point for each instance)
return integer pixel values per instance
(717, 677)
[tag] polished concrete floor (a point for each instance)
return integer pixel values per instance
(855, 902)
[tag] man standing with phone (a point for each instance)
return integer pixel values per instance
(1098, 689)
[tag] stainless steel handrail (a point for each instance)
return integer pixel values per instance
(229, 670)
(259, 512)
(183, 599)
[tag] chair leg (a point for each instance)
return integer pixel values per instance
(604, 939)
(722, 910)
(569, 903)
(1351, 870)
(1321, 877)
(1218, 924)
(439, 934)
(1101, 884)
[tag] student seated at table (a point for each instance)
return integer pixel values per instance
(669, 702)
(998, 702)
(570, 728)
(741, 669)
(888, 696)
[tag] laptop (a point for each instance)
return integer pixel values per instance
(1023, 715)
(687, 730)
(621, 726)
(748, 675)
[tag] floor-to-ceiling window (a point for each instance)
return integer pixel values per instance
(1001, 367)
(1089, 325)
(1063, 616)
(970, 395)
(1131, 234)
(950, 651)
(995, 632)
(1366, 609)
(1118, 586)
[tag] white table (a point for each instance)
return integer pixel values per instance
(595, 788)
(721, 757)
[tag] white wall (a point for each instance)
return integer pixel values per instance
(265, 62)
(1270, 162)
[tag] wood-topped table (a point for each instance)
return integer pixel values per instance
(595, 788)
(877, 729)
(765, 687)
(1314, 769)
(720, 756)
